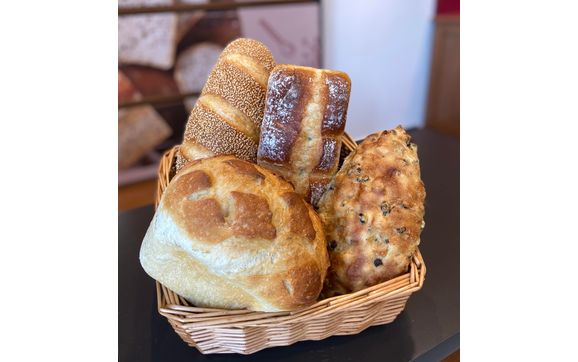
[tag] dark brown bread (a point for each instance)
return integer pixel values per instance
(305, 114)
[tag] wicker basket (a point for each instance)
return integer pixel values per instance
(242, 331)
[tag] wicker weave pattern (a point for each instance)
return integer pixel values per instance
(245, 332)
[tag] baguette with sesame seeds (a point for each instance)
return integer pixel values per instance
(227, 116)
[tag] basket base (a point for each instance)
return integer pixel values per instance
(212, 334)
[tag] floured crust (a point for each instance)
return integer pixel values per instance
(227, 116)
(373, 213)
(230, 234)
(305, 114)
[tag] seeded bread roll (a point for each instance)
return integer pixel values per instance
(230, 234)
(227, 116)
(304, 120)
(373, 213)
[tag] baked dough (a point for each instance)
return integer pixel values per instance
(305, 113)
(373, 213)
(227, 116)
(230, 234)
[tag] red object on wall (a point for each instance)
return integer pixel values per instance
(448, 7)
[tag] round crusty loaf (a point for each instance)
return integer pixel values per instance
(230, 234)
(373, 213)
(226, 118)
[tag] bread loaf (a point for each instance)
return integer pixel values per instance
(227, 116)
(193, 67)
(373, 213)
(230, 234)
(147, 39)
(127, 92)
(155, 83)
(301, 132)
(151, 82)
(140, 128)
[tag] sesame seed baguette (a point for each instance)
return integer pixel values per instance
(227, 116)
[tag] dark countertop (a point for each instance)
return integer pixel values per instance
(427, 330)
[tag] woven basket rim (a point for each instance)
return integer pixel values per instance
(402, 285)
(177, 310)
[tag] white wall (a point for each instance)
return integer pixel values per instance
(385, 47)
(290, 32)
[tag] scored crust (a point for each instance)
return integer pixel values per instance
(227, 116)
(373, 213)
(192, 68)
(205, 124)
(304, 119)
(230, 234)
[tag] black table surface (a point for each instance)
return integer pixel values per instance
(428, 328)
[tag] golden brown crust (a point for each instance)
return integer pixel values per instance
(304, 119)
(252, 217)
(309, 292)
(227, 117)
(231, 82)
(373, 213)
(193, 151)
(254, 49)
(231, 115)
(298, 220)
(231, 234)
(197, 181)
(245, 168)
(207, 129)
(208, 224)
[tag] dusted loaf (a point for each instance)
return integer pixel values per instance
(302, 127)
(230, 234)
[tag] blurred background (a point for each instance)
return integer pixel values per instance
(402, 57)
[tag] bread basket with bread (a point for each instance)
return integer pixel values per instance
(272, 225)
